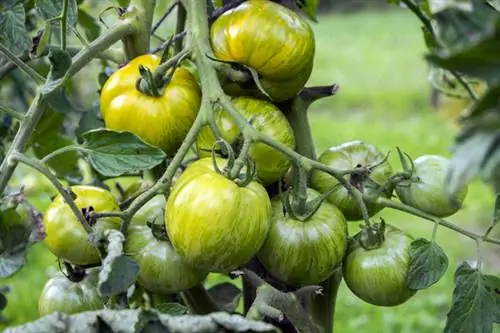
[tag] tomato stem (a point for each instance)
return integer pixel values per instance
(181, 23)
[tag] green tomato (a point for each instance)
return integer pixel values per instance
(66, 237)
(379, 276)
(428, 193)
(62, 295)
(267, 119)
(214, 223)
(348, 156)
(304, 253)
(162, 269)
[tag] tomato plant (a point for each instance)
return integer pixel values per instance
(197, 162)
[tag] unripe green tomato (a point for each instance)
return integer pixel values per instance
(428, 193)
(162, 269)
(307, 252)
(66, 237)
(379, 276)
(267, 119)
(214, 223)
(270, 38)
(62, 295)
(348, 156)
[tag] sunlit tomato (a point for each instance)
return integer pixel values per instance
(348, 156)
(162, 270)
(428, 193)
(271, 39)
(304, 252)
(66, 237)
(162, 121)
(267, 119)
(62, 295)
(214, 223)
(379, 276)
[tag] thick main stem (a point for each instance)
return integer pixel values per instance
(322, 307)
(138, 43)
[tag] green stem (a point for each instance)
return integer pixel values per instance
(165, 15)
(10, 111)
(64, 24)
(110, 54)
(241, 160)
(199, 301)
(137, 43)
(21, 64)
(37, 165)
(181, 22)
(299, 120)
(58, 152)
(322, 307)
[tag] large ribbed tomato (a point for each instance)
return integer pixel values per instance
(270, 38)
(304, 252)
(267, 119)
(66, 237)
(162, 269)
(348, 156)
(162, 121)
(428, 192)
(214, 223)
(59, 294)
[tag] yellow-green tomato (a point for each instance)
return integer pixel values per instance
(270, 38)
(267, 119)
(59, 294)
(348, 156)
(306, 252)
(428, 192)
(214, 223)
(161, 121)
(162, 269)
(66, 237)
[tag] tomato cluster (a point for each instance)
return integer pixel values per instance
(217, 220)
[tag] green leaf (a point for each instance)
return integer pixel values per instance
(44, 40)
(64, 165)
(309, 7)
(173, 309)
(131, 321)
(474, 306)
(428, 264)
(89, 23)
(118, 271)
(60, 61)
(51, 9)
(226, 295)
(12, 29)
(89, 120)
(495, 4)
(114, 153)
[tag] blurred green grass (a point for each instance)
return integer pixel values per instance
(377, 59)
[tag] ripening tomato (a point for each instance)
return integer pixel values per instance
(270, 38)
(214, 223)
(379, 275)
(428, 193)
(162, 269)
(267, 119)
(66, 237)
(304, 252)
(161, 121)
(62, 295)
(348, 156)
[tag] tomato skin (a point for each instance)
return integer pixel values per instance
(162, 270)
(269, 38)
(379, 276)
(346, 157)
(161, 121)
(62, 295)
(212, 222)
(267, 119)
(304, 253)
(429, 193)
(66, 237)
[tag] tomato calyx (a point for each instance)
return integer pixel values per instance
(408, 176)
(158, 229)
(73, 273)
(242, 179)
(88, 214)
(373, 236)
(299, 208)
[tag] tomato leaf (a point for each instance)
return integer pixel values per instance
(118, 271)
(64, 165)
(428, 264)
(171, 308)
(51, 9)
(114, 153)
(226, 295)
(495, 4)
(89, 23)
(89, 120)
(12, 28)
(132, 321)
(474, 306)
(14, 240)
